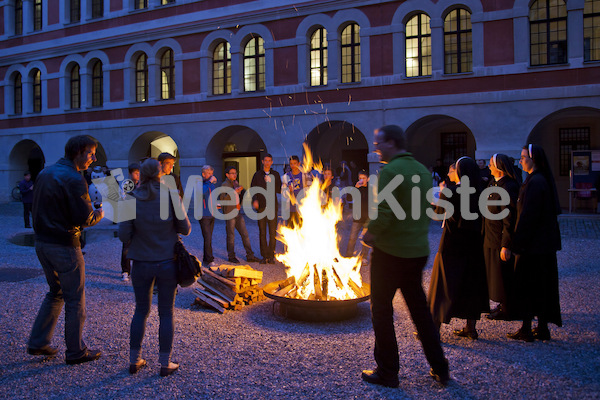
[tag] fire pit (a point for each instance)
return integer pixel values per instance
(321, 284)
(314, 310)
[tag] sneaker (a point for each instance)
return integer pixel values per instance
(125, 277)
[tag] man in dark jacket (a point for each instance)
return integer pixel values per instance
(26, 189)
(237, 222)
(260, 179)
(61, 209)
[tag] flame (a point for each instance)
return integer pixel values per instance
(312, 256)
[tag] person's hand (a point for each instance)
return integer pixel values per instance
(239, 189)
(505, 254)
(99, 213)
(368, 239)
(213, 179)
(442, 184)
(255, 204)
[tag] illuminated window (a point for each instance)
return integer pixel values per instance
(591, 30)
(164, 2)
(75, 87)
(458, 44)
(222, 69)
(37, 90)
(75, 10)
(167, 75)
(351, 54)
(18, 98)
(141, 4)
(18, 17)
(141, 78)
(318, 57)
(97, 85)
(97, 8)
(418, 46)
(254, 65)
(548, 32)
(37, 15)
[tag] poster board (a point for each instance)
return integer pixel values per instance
(585, 167)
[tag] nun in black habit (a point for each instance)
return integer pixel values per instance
(458, 287)
(498, 234)
(535, 243)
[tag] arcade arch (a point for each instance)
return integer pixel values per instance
(26, 155)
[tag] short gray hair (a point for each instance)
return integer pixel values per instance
(207, 168)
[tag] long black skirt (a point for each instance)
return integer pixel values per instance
(536, 288)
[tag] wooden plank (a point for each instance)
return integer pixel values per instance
(216, 298)
(282, 292)
(218, 277)
(287, 282)
(245, 273)
(318, 292)
(359, 292)
(225, 291)
(211, 303)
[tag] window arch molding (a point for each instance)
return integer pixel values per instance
(341, 20)
(403, 14)
(303, 34)
(207, 49)
(129, 77)
(9, 88)
(27, 81)
(65, 81)
(158, 50)
(87, 70)
(241, 38)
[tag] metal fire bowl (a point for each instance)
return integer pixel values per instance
(314, 310)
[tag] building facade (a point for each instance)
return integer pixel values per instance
(222, 82)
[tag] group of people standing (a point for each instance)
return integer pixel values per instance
(511, 260)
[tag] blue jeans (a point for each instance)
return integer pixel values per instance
(207, 224)
(230, 226)
(357, 228)
(144, 274)
(64, 268)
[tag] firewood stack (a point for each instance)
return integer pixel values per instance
(226, 287)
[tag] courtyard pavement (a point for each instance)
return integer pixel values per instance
(254, 354)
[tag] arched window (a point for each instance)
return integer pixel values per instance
(418, 46)
(37, 15)
(591, 30)
(318, 57)
(458, 43)
(97, 85)
(351, 54)
(18, 95)
(97, 8)
(548, 32)
(75, 10)
(18, 17)
(75, 86)
(167, 75)
(254, 65)
(222, 68)
(141, 4)
(37, 90)
(141, 78)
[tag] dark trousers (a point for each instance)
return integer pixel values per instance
(26, 212)
(144, 275)
(125, 262)
(267, 249)
(230, 226)
(64, 268)
(389, 273)
(207, 224)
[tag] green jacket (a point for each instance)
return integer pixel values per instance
(407, 237)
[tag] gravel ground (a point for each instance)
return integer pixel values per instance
(257, 355)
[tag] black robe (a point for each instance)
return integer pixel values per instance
(535, 243)
(458, 287)
(498, 234)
